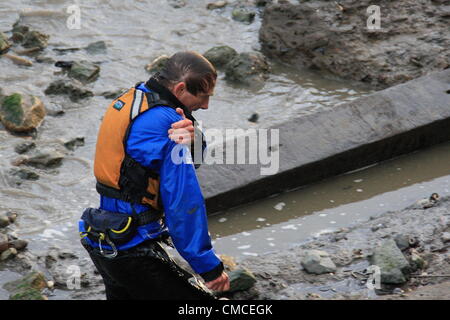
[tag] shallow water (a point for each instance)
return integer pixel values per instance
(282, 221)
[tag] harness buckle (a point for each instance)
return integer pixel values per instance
(102, 252)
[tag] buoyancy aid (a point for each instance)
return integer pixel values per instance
(118, 174)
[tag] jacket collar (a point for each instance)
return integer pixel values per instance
(167, 95)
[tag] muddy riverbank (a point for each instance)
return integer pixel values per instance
(281, 275)
(420, 236)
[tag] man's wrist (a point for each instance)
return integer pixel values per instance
(213, 274)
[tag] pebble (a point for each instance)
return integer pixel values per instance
(445, 237)
(4, 221)
(7, 254)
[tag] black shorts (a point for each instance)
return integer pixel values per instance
(145, 272)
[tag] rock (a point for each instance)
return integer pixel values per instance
(12, 216)
(73, 143)
(220, 56)
(113, 94)
(3, 242)
(73, 90)
(44, 59)
(84, 71)
(253, 118)
(378, 227)
(177, 3)
(4, 221)
(22, 112)
(445, 237)
(157, 65)
(240, 280)
(25, 174)
(417, 262)
(397, 291)
(329, 37)
(98, 47)
(8, 254)
(18, 244)
(45, 158)
(18, 60)
(243, 15)
(393, 264)
(34, 39)
(402, 241)
(54, 110)
(216, 5)
(318, 262)
(24, 147)
(27, 288)
(248, 68)
(4, 43)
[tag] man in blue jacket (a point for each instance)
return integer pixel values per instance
(151, 120)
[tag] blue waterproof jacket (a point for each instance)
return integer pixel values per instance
(183, 202)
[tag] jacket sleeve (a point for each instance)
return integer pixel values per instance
(185, 212)
(184, 205)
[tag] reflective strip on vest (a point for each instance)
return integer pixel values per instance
(135, 109)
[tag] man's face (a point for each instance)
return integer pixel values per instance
(193, 103)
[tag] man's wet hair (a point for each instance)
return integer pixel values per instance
(191, 68)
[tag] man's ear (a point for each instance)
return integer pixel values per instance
(178, 89)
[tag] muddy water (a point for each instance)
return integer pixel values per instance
(135, 32)
(284, 220)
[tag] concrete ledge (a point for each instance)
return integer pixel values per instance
(383, 125)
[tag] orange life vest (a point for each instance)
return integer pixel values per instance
(118, 175)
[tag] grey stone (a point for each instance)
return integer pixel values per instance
(177, 3)
(393, 264)
(157, 64)
(74, 143)
(241, 279)
(45, 158)
(248, 69)
(25, 174)
(71, 89)
(445, 237)
(98, 47)
(4, 221)
(24, 147)
(245, 15)
(3, 242)
(18, 244)
(84, 71)
(4, 43)
(8, 254)
(417, 262)
(220, 56)
(402, 241)
(33, 39)
(216, 5)
(318, 262)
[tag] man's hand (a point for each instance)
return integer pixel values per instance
(222, 283)
(183, 130)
